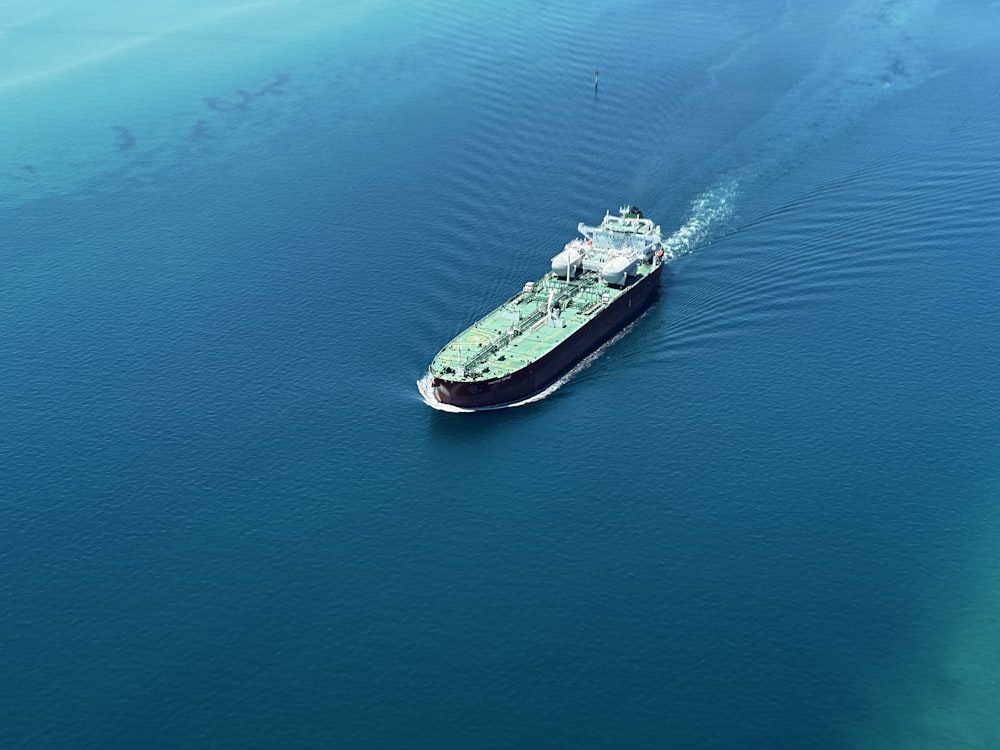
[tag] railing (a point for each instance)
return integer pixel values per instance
(503, 340)
(530, 322)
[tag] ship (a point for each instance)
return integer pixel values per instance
(599, 283)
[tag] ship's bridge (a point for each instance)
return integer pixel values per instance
(626, 234)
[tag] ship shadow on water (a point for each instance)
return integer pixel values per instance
(464, 429)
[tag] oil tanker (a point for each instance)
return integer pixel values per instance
(598, 284)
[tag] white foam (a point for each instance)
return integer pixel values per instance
(708, 211)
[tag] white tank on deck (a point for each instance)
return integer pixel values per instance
(618, 269)
(569, 260)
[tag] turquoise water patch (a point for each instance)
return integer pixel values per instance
(90, 94)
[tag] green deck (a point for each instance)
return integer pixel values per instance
(520, 332)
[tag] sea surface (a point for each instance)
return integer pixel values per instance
(234, 234)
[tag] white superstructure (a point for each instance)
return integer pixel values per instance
(613, 249)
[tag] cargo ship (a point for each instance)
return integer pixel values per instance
(598, 284)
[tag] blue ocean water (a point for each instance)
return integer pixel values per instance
(234, 235)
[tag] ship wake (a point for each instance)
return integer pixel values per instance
(709, 211)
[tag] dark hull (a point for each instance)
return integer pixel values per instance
(544, 371)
